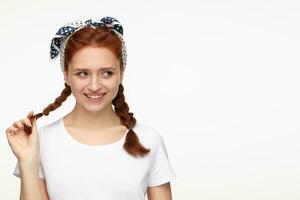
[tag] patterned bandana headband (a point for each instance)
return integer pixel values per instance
(63, 34)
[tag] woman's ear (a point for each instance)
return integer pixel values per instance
(122, 75)
(66, 77)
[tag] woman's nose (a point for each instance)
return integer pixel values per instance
(95, 83)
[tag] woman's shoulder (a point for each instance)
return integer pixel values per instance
(147, 133)
(50, 127)
(145, 129)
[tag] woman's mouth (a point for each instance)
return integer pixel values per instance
(94, 98)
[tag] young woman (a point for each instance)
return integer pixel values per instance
(98, 150)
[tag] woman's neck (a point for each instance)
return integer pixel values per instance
(79, 117)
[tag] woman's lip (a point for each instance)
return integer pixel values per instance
(96, 99)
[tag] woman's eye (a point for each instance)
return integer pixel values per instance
(81, 74)
(109, 73)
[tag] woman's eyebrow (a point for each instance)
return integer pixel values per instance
(101, 69)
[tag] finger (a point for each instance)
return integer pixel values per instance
(15, 128)
(27, 122)
(19, 124)
(34, 128)
(9, 135)
(12, 128)
(29, 114)
(31, 117)
(10, 131)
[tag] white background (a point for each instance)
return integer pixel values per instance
(218, 79)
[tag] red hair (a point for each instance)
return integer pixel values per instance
(101, 37)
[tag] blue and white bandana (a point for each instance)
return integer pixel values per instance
(63, 34)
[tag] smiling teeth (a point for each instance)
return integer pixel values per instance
(94, 97)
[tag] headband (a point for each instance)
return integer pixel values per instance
(61, 37)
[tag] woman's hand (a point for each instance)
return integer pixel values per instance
(23, 139)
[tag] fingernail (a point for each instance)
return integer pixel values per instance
(28, 122)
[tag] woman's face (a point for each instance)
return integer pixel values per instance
(92, 73)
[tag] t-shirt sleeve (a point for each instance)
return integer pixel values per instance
(17, 171)
(161, 170)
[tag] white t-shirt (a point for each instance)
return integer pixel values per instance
(77, 171)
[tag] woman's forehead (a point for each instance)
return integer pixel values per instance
(94, 58)
(93, 68)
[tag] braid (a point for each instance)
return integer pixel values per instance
(58, 101)
(132, 144)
